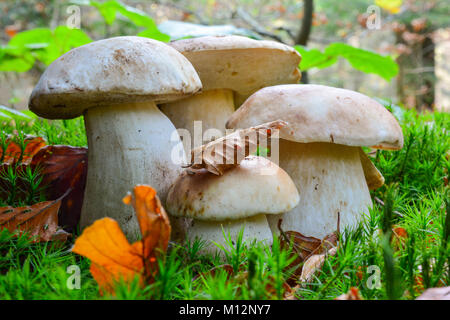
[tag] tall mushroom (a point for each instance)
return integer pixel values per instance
(320, 150)
(241, 197)
(231, 68)
(115, 83)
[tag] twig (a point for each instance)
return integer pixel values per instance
(256, 27)
(199, 18)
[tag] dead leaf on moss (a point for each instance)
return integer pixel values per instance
(224, 153)
(14, 155)
(314, 263)
(40, 220)
(64, 168)
(310, 252)
(113, 257)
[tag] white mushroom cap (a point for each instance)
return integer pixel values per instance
(113, 71)
(316, 113)
(256, 186)
(240, 64)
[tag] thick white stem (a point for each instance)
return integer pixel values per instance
(129, 144)
(255, 228)
(330, 179)
(211, 107)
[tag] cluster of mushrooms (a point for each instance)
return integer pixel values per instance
(135, 92)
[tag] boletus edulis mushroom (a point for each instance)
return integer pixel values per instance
(240, 198)
(320, 148)
(115, 83)
(231, 68)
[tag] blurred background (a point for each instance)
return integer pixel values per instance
(391, 49)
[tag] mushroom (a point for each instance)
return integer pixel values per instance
(241, 197)
(230, 68)
(115, 83)
(320, 149)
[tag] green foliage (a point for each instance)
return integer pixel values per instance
(67, 132)
(46, 45)
(40, 44)
(363, 60)
(109, 10)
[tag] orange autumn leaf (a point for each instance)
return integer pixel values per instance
(11, 30)
(113, 257)
(13, 153)
(400, 232)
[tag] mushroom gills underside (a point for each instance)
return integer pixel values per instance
(129, 144)
(255, 228)
(211, 107)
(331, 182)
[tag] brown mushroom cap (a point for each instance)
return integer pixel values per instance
(112, 71)
(242, 191)
(240, 64)
(316, 113)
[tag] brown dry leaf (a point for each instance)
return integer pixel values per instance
(314, 263)
(435, 294)
(229, 151)
(113, 257)
(39, 220)
(307, 251)
(64, 168)
(13, 153)
(352, 294)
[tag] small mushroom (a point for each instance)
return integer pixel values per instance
(115, 84)
(320, 150)
(241, 197)
(231, 68)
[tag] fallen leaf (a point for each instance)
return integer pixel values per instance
(314, 263)
(40, 220)
(307, 251)
(64, 168)
(352, 294)
(435, 294)
(113, 257)
(14, 153)
(229, 151)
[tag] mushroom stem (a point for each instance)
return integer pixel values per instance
(330, 180)
(255, 228)
(212, 107)
(129, 144)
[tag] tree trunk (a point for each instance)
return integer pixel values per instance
(305, 29)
